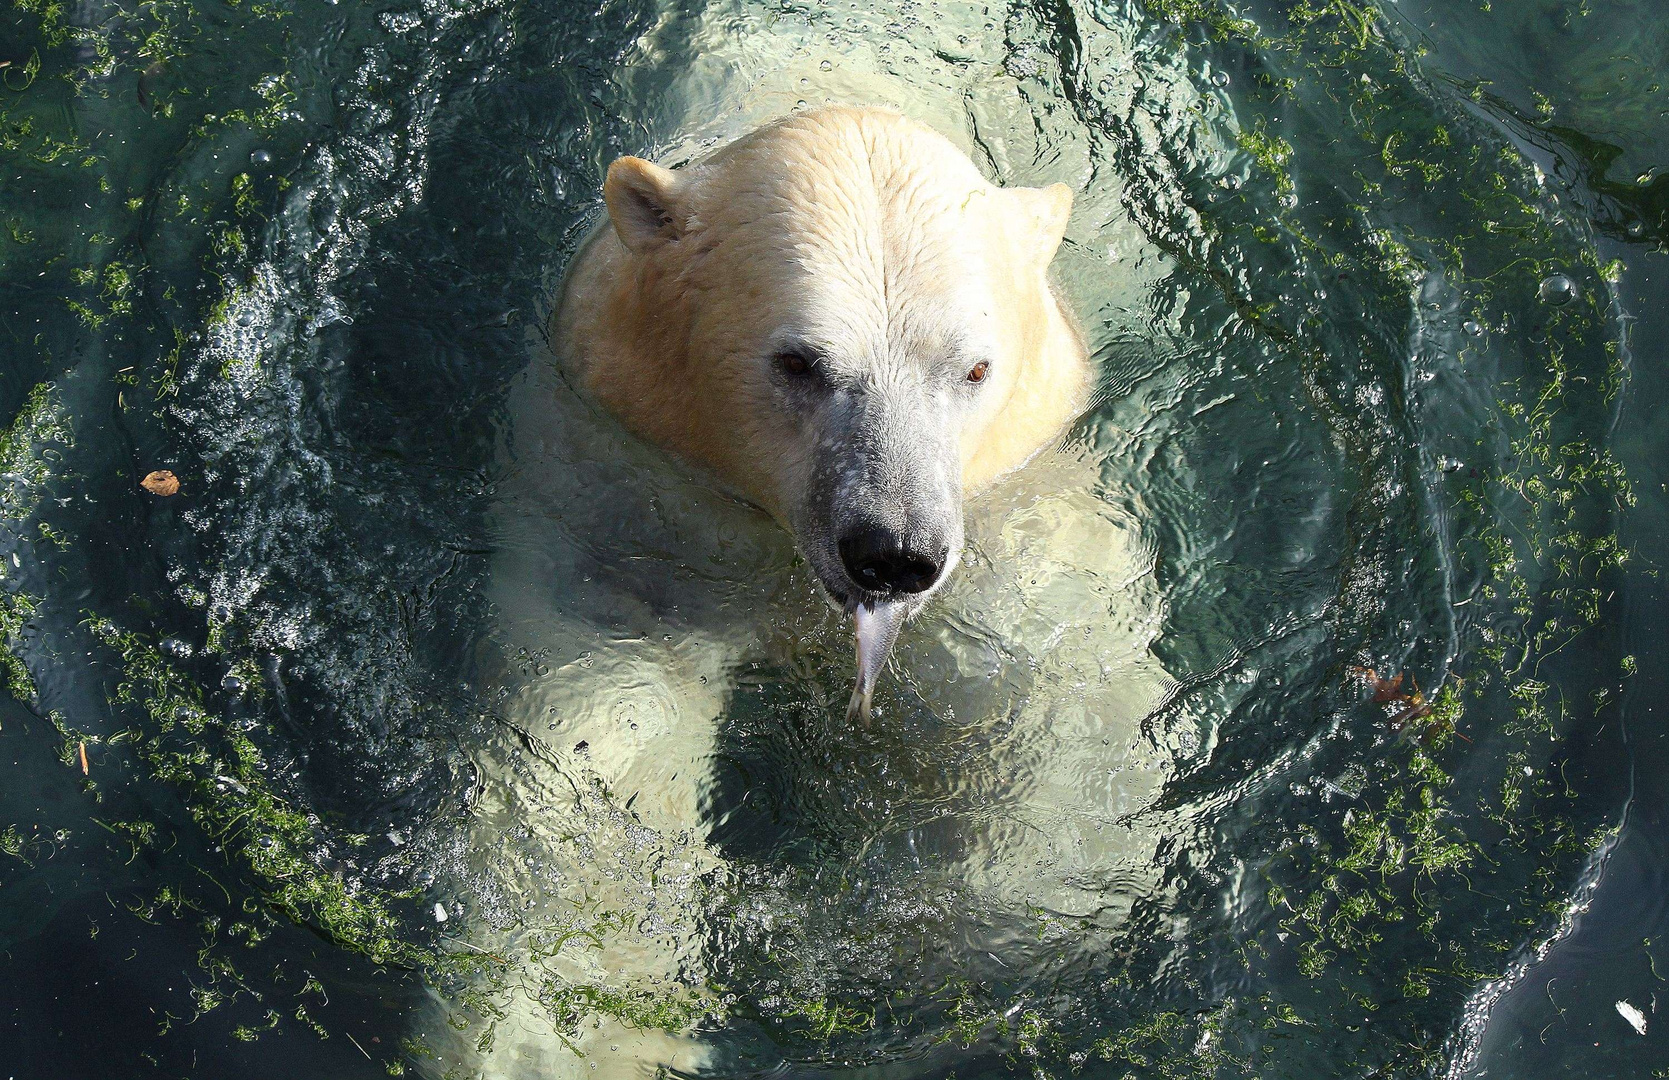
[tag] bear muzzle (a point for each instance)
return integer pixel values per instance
(882, 560)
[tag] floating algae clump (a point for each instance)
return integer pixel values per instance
(39, 428)
(224, 779)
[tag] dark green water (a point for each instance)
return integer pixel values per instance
(1379, 306)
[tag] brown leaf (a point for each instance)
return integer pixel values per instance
(1418, 712)
(1388, 689)
(1383, 689)
(161, 482)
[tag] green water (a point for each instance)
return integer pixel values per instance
(1376, 298)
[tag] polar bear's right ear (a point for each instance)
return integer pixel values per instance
(643, 202)
(1046, 209)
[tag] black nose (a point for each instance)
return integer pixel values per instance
(884, 561)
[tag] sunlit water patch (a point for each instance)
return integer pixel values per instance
(1236, 744)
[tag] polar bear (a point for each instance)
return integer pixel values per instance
(839, 317)
(667, 750)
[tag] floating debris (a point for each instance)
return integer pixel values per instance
(1383, 689)
(1636, 1019)
(358, 1047)
(81, 748)
(161, 482)
(440, 912)
(1409, 707)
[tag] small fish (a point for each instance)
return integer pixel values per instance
(876, 625)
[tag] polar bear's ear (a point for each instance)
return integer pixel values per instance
(1046, 210)
(643, 203)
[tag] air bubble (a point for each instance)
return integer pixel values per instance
(1220, 78)
(1471, 327)
(260, 158)
(1556, 289)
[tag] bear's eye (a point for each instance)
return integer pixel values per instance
(795, 363)
(977, 373)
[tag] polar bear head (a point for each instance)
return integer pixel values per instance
(840, 316)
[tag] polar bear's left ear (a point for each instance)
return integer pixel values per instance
(644, 203)
(1045, 210)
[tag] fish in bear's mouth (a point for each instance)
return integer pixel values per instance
(876, 624)
(877, 617)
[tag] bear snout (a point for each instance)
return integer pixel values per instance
(884, 560)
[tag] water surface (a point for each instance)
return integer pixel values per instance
(437, 726)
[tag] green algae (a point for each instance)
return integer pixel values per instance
(16, 610)
(38, 434)
(1540, 526)
(224, 779)
(828, 1017)
(13, 843)
(41, 425)
(149, 34)
(1270, 153)
(1219, 19)
(222, 775)
(1173, 1046)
